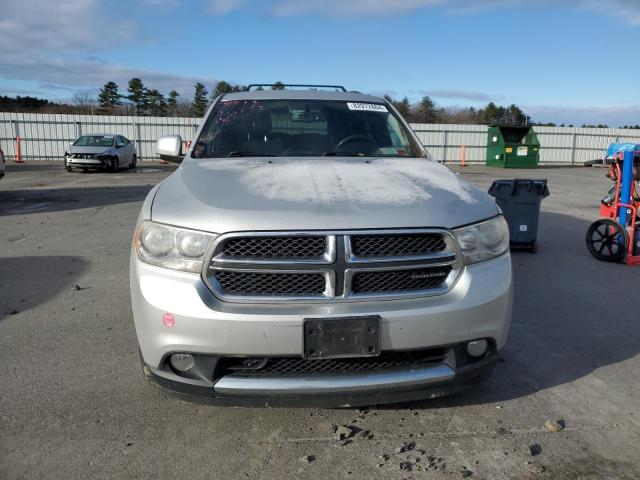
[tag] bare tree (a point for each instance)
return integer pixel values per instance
(84, 102)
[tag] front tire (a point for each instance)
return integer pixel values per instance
(134, 162)
(114, 165)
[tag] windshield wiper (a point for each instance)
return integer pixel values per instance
(343, 154)
(239, 153)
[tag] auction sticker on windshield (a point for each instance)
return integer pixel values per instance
(368, 107)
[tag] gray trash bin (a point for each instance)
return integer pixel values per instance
(520, 201)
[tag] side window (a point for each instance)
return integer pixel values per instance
(396, 135)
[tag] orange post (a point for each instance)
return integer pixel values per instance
(18, 151)
(463, 156)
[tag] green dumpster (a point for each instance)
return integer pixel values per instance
(512, 147)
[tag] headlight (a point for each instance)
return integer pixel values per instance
(484, 240)
(171, 247)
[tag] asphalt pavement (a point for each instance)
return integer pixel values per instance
(74, 405)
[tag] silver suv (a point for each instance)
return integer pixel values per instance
(307, 250)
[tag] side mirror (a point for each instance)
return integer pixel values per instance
(170, 148)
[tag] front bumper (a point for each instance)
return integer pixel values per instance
(478, 306)
(88, 163)
(336, 391)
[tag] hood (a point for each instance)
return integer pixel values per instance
(94, 150)
(308, 193)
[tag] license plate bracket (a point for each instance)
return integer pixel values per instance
(341, 337)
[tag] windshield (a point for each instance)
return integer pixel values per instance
(94, 141)
(303, 128)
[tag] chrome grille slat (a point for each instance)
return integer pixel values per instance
(312, 266)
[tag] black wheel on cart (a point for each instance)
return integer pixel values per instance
(607, 240)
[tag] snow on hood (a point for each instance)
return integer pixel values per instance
(301, 193)
(395, 181)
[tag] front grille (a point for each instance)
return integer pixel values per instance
(85, 156)
(270, 284)
(399, 280)
(336, 265)
(396, 245)
(340, 366)
(303, 247)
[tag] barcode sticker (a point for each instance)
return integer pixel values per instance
(368, 107)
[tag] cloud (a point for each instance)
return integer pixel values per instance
(352, 7)
(29, 25)
(220, 7)
(382, 93)
(61, 74)
(9, 90)
(162, 5)
(627, 9)
(612, 115)
(60, 45)
(453, 94)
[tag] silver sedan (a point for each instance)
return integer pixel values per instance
(100, 151)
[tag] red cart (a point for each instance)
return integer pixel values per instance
(615, 237)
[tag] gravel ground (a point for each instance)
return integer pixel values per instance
(73, 403)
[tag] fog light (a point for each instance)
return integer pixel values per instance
(183, 362)
(477, 348)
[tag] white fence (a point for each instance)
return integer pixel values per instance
(558, 145)
(46, 136)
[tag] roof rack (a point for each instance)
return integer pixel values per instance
(337, 87)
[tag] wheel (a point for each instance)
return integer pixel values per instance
(67, 167)
(114, 164)
(134, 162)
(607, 240)
(533, 248)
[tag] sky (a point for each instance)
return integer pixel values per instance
(564, 61)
